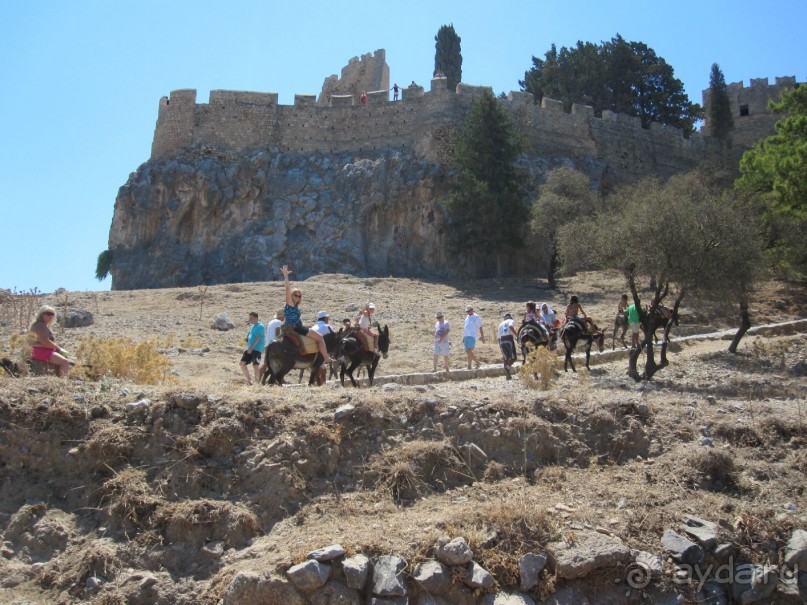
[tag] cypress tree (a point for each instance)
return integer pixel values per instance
(448, 55)
(721, 122)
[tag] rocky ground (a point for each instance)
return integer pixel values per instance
(205, 490)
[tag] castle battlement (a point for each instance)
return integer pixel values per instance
(749, 107)
(424, 121)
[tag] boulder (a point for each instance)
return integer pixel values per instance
(796, 549)
(356, 570)
(681, 549)
(529, 566)
(388, 577)
(76, 318)
(455, 552)
(590, 551)
(309, 575)
(432, 576)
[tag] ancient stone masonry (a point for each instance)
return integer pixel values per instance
(329, 184)
(338, 122)
(749, 108)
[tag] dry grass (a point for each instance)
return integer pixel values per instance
(124, 358)
(542, 367)
(416, 468)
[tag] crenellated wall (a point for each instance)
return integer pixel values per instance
(423, 121)
(749, 108)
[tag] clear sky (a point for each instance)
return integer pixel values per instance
(81, 82)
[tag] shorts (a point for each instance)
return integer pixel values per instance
(469, 342)
(635, 327)
(508, 348)
(301, 330)
(253, 357)
(442, 348)
(42, 353)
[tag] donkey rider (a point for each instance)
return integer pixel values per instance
(292, 312)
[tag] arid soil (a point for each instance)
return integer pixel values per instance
(115, 492)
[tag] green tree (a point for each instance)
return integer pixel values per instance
(103, 265)
(686, 236)
(489, 206)
(775, 170)
(721, 123)
(567, 194)
(621, 76)
(448, 55)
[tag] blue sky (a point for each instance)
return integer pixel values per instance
(81, 82)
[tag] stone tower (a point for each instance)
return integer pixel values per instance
(368, 74)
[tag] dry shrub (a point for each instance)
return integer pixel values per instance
(414, 468)
(500, 532)
(129, 499)
(322, 433)
(108, 447)
(541, 368)
(17, 309)
(739, 435)
(123, 358)
(219, 437)
(198, 521)
(777, 429)
(96, 559)
(714, 465)
(495, 471)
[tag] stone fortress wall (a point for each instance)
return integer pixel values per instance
(425, 121)
(749, 108)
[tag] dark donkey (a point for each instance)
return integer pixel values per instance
(282, 357)
(353, 355)
(574, 331)
(532, 335)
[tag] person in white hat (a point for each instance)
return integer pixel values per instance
(365, 322)
(471, 331)
(322, 326)
(442, 345)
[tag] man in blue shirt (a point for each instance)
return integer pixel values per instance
(255, 343)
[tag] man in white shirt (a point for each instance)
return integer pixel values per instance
(507, 342)
(472, 331)
(323, 328)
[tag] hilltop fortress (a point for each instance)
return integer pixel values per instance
(343, 186)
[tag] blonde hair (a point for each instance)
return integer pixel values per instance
(42, 310)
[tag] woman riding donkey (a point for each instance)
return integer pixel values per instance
(293, 319)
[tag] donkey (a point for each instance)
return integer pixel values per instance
(353, 355)
(282, 356)
(620, 321)
(574, 331)
(532, 335)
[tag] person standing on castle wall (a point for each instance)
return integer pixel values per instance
(364, 98)
(395, 92)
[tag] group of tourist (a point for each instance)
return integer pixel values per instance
(507, 332)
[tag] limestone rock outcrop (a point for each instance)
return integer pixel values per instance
(208, 217)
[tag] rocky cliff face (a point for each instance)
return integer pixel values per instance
(209, 217)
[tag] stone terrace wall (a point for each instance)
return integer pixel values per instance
(422, 121)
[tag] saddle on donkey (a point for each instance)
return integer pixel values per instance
(304, 345)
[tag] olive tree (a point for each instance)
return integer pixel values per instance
(686, 235)
(566, 194)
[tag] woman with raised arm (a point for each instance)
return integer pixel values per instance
(293, 319)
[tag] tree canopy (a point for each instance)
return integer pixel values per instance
(621, 76)
(775, 170)
(567, 194)
(685, 235)
(489, 207)
(448, 55)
